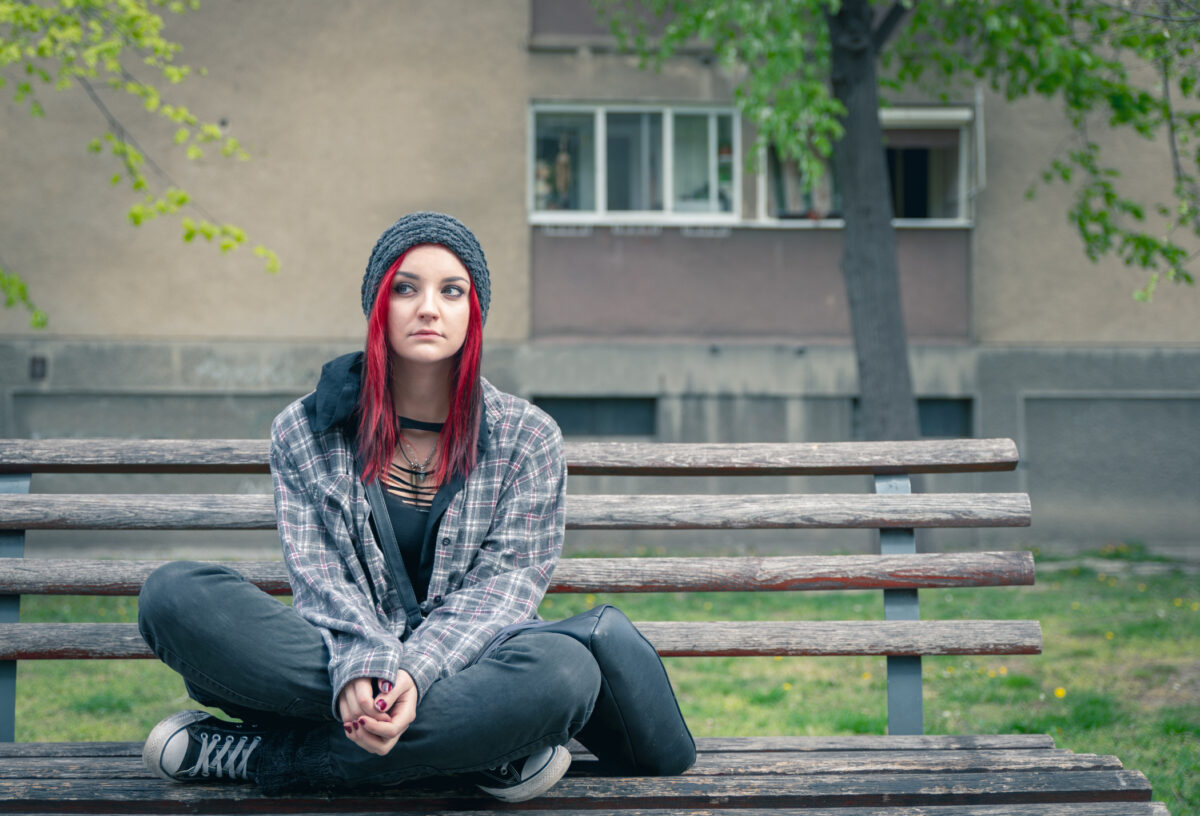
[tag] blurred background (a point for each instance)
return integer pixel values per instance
(649, 283)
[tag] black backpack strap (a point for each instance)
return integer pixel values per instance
(381, 520)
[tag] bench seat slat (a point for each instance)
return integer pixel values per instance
(620, 458)
(85, 641)
(591, 512)
(611, 793)
(35, 576)
(707, 764)
(724, 745)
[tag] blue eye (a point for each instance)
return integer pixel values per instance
(402, 287)
(453, 290)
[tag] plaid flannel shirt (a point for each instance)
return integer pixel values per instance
(497, 546)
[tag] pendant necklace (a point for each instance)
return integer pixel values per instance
(419, 469)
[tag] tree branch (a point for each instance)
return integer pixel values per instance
(887, 26)
(120, 132)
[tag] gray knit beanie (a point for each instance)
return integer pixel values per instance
(427, 228)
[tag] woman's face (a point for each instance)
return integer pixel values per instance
(430, 306)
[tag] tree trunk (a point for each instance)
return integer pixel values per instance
(887, 408)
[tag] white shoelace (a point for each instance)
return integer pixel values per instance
(222, 757)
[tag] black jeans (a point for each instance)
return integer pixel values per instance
(241, 650)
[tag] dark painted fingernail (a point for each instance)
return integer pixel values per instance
(381, 705)
(349, 730)
(385, 686)
(362, 720)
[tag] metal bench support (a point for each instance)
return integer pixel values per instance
(905, 709)
(12, 545)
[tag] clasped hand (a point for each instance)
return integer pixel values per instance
(376, 716)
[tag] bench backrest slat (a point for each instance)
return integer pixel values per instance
(583, 458)
(236, 511)
(88, 641)
(36, 576)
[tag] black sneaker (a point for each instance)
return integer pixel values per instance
(192, 745)
(525, 778)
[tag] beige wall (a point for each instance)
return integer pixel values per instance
(1032, 282)
(355, 113)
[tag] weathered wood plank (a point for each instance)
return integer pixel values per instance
(618, 458)
(70, 749)
(400, 808)
(609, 793)
(707, 764)
(725, 745)
(36, 576)
(832, 638)
(851, 762)
(232, 511)
(1062, 809)
(877, 742)
(103, 455)
(84, 641)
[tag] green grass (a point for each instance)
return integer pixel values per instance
(1119, 673)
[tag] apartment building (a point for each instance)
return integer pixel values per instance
(655, 276)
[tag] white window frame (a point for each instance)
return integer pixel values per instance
(957, 117)
(602, 216)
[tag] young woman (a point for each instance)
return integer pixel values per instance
(345, 687)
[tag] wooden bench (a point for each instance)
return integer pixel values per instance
(902, 774)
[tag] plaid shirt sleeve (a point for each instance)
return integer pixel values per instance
(329, 587)
(513, 563)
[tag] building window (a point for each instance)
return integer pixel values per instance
(923, 169)
(949, 417)
(602, 416)
(787, 196)
(635, 169)
(565, 171)
(633, 163)
(937, 417)
(926, 151)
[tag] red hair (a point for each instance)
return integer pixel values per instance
(377, 421)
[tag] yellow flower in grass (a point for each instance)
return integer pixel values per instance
(866, 675)
(1141, 587)
(787, 686)
(1003, 670)
(1108, 635)
(1178, 602)
(1060, 692)
(1196, 606)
